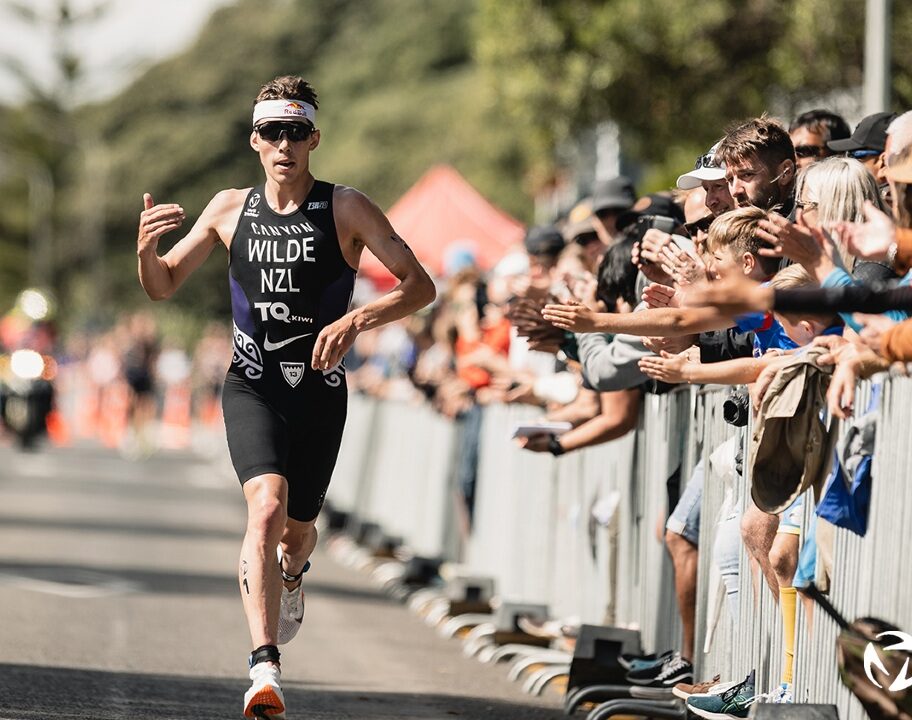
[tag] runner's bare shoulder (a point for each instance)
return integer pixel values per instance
(355, 212)
(224, 210)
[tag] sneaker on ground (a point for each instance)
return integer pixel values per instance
(264, 700)
(291, 610)
(637, 662)
(663, 677)
(539, 627)
(733, 703)
(781, 695)
(685, 690)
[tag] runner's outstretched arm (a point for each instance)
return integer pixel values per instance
(361, 223)
(162, 276)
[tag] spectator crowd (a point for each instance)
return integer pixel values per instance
(779, 266)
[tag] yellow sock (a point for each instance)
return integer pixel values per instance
(788, 604)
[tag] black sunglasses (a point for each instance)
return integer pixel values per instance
(294, 131)
(806, 151)
(701, 225)
(706, 160)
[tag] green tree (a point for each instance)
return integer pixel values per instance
(41, 154)
(671, 74)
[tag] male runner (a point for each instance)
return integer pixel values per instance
(293, 245)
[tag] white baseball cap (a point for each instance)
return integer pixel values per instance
(705, 168)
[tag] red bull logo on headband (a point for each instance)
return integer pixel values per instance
(279, 109)
(293, 108)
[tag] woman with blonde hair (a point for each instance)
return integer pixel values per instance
(834, 191)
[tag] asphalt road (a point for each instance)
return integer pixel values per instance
(118, 600)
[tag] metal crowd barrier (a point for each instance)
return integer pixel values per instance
(582, 534)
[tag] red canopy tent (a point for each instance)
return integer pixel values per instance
(442, 210)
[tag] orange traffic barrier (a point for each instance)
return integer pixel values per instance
(57, 429)
(176, 418)
(113, 414)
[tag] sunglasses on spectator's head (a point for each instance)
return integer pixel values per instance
(294, 131)
(706, 161)
(863, 154)
(807, 151)
(701, 225)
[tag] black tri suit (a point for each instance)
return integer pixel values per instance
(288, 280)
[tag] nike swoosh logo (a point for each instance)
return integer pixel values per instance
(270, 346)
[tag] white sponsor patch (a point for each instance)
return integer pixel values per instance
(293, 372)
(322, 205)
(251, 210)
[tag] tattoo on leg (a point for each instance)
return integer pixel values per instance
(396, 239)
(244, 572)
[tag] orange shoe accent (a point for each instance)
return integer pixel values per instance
(265, 704)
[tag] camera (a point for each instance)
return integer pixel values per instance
(736, 408)
(662, 223)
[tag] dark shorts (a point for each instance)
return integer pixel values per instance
(295, 432)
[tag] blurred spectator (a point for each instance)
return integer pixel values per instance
(609, 199)
(867, 143)
(140, 357)
(811, 131)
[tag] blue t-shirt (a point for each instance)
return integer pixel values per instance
(768, 332)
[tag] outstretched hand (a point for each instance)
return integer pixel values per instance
(796, 241)
(684, 266)
(870, 240)
(155, 221)
(874, 328)
(668, 368)
(657, 295)
(573, 316)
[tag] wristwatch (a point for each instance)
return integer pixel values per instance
(554, 446)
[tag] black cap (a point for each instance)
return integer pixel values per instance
(652, 204)
(870, 134)
(544, 240)
(617, 193)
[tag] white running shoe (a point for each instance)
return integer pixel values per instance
(264, 700)
(291, 613)
(291, 610)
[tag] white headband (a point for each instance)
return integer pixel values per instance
(284, 110)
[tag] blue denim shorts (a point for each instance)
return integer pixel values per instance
(685, 518)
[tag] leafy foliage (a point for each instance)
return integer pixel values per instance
(671, 74)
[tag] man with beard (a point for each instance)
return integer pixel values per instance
(759, 161)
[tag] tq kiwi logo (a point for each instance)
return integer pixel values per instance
(872, 659)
